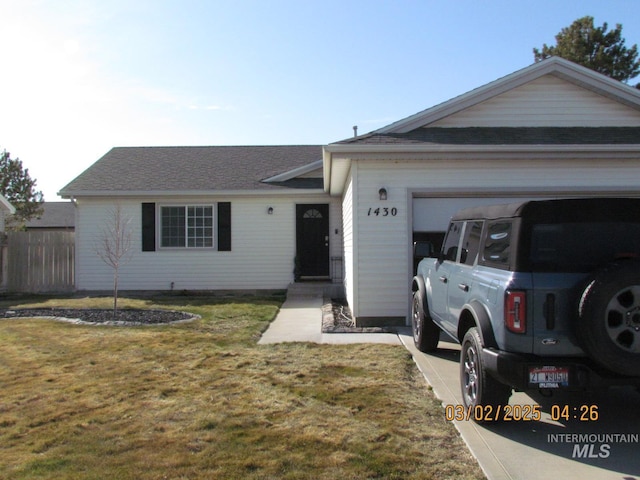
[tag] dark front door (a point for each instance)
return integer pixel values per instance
(312, 242)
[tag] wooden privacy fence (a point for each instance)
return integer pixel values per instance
(40, 262)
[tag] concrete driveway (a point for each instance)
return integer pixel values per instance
(532, 450)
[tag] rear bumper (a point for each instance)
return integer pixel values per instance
(513, 369)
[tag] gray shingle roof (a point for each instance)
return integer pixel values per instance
(504, 136)
(183, 169)
(59, 215)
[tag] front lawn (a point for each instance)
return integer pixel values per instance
(201, 400)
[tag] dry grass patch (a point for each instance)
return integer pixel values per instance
(202, 400)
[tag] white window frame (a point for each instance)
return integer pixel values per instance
(187, 238)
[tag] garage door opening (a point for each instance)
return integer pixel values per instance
(431, 215)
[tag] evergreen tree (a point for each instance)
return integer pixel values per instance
(19, 188)
(596, 48)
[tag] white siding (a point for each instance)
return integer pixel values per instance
(383, 244)
(262, 255)
(382, 239)
(348, 240)
(546, 102)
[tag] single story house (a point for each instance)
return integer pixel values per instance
(262, 217)
(209, 218)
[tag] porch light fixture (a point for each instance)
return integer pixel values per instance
(383, 193)
(270, 210)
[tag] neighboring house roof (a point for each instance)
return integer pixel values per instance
(175, 170)
(55, 215)
(6, 206)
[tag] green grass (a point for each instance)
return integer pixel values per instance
(201, 400)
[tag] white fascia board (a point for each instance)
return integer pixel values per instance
(326, 169)
(560, 67)
(7, 205)
(338, 157)
(191, 193)
(372, 152)
(296, 172)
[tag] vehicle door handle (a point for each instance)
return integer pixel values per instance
(463, 287)
(443, 279)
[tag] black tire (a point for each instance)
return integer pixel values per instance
(608, 325)
(426, 334)
(479, 388)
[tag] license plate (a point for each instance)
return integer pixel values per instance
(549, 377)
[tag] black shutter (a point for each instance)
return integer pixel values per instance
(224, 226)
(148, 227)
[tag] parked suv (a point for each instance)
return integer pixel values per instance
(540, 294)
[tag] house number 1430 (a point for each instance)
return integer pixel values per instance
(382, 212)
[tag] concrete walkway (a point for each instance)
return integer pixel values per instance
(300, 320)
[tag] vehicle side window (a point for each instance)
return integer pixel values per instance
(497, 246)
(450, 246)
(471, 243)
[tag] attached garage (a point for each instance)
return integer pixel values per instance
(554, 129)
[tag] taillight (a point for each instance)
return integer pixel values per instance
(515, 308)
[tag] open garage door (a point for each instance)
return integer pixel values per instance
(431, 215)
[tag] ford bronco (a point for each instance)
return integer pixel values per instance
(541, 295)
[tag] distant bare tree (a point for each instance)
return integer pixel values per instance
(114, 246)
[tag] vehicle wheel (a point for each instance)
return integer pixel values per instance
(426, 334)
(608, 326)
(479, 388)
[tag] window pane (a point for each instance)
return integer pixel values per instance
(173, 223)
(450, 247)
(471, 243)
(582, 247)
(200, 227)
(312, 213)
(497, 246)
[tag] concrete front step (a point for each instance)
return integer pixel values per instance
(315, 289)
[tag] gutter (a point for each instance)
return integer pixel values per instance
(74, 194)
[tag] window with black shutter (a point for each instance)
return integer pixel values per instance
(186, 226)
(148, 227)
(224, 226)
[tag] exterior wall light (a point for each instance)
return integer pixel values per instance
(270, 210)
(383, 193)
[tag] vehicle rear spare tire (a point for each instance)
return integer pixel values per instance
(608, 325)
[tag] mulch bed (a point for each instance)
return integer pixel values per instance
(124, 316)
(337, 318)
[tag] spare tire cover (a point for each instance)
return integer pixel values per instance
(609, 318)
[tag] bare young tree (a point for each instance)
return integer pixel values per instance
(114, 246)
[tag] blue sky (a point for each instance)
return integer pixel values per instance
(80, 77)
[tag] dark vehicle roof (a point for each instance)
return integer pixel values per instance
(551, 211)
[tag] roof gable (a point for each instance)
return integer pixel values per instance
(566, 77)
(548, 101)
(311, 170)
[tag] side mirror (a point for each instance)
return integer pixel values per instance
(422, 250)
